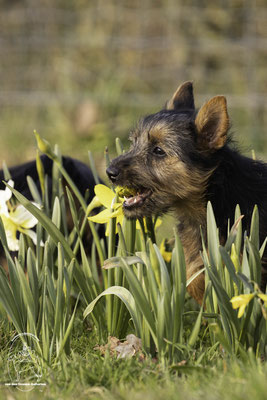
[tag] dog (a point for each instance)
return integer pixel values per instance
(180, 159)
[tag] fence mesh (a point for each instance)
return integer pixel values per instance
(81, 72)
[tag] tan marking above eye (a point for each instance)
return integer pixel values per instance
(159, 132)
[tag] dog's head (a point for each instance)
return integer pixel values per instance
(172, 155)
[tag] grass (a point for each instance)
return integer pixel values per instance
(72, 306)
(86, 374)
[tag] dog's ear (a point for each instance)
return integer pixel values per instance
(183, 98)
(212, 124)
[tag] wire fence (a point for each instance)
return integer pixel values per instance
(125, 58)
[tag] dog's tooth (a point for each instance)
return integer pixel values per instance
(125, 198)
(135, 200)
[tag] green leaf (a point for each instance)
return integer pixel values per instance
(68, 330)
(3, 234)
(229, 318)
(254, 261)
(229, 264)
(93, 168)
(161, 325)
(33, 278)
(59, 292)
(213, 238)
(6, 172)
(34, 191)
(119, 146)
(26, 291)
(254, 228)
(263, 247)
(115, 262)
(165, 278)
(235, 234)
(140, 298)
(73, 210)
(9, 302)
(195, 332)
(194, 276)
(127, 299)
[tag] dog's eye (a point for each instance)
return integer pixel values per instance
(158, 151)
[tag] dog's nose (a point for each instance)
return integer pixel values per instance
(112, 173)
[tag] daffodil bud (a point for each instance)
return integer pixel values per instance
(40, 170)
(45, 147)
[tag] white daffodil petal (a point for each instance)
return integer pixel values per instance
(12, 242)
(3, 209)
(31, 234)
(11, 231)
(23, 218)
(6, 194)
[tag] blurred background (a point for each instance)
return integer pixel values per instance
(82, 72)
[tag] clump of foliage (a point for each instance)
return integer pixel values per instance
(127, 282)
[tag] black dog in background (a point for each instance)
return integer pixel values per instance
(79, 172)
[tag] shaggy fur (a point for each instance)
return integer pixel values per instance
(180, 159)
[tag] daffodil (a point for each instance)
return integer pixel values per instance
(241, 302)
(15, 219)
(167, 255)
(113, 206)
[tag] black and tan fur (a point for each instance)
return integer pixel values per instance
(180, 159)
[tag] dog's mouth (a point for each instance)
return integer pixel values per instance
(135, 198)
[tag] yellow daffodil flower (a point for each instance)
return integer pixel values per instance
(107, 198)
(113, 203)
(167, 255)
(241, 302)
(15, 219)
